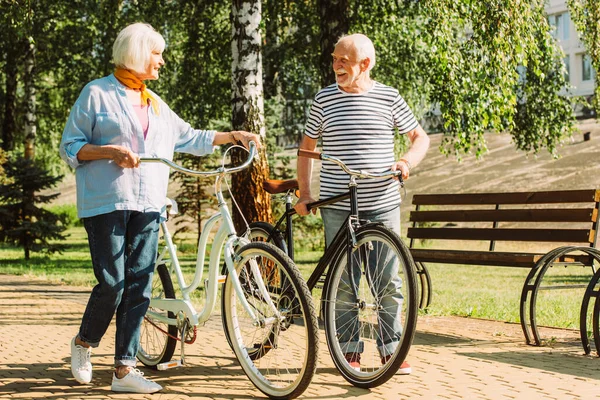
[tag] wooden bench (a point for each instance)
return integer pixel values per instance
(568, 218)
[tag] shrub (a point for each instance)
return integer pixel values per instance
(67, 213)
(22, 222)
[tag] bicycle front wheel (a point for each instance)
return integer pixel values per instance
(157, 339)
(258, 232)
(371, 307)
(279, 351)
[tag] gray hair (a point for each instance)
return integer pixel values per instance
(134, 45)
(363, 45)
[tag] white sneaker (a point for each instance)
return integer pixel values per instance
(134, 382)
(81, 366)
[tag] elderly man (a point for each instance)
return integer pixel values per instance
(356, 119)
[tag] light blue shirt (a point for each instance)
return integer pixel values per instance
(103, 115)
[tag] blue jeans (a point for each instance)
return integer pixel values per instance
(123, 246)
(382, 265)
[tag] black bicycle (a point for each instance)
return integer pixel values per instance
(369, 292)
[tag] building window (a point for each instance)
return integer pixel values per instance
(587, 70)
(561, 23)
(567, 62)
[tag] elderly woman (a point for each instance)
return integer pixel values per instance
(115, 120)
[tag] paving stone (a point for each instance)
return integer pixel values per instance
(452, 358)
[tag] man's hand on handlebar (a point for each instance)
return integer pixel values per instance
(301, 205)
(401, 166)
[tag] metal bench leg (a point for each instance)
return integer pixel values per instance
(425, 285)
(537, 274)
(532, 284)
(596, 322)
(589, 293)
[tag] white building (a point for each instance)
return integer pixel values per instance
(579, 66)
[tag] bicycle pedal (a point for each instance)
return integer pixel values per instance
(169, 364)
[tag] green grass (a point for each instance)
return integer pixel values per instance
(72, 267)
(472, 291)
(495, 293)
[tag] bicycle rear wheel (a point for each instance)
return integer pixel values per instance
(279, 354)
(265, 232)
(371, 307)
(157, 339)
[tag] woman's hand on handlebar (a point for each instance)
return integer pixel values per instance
(301, 205)
(235, 137)
(124, 157)
(244, 138)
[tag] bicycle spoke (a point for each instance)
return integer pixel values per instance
(378, 322)
(273, 353)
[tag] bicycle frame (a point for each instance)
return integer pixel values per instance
(226, 239)
(346, 231)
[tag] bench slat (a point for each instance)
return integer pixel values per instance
(492, 258)
(499, 234)
(515, 215)
(559, 196)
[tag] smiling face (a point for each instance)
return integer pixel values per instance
(350, 72)
(154, 64)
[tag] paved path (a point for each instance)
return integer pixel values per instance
(452, 358)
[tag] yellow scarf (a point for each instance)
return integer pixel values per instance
(133, 82)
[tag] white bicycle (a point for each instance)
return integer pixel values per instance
(268, 314)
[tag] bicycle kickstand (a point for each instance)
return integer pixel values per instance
(176, 363)
(182, 335)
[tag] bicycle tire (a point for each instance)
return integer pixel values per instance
(287, 346)
(261, 232)
(157, 339)
(264, 231)
(367, 334)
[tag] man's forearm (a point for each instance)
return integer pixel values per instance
(418, 148)
(305, 166)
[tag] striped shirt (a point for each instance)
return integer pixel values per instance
(359, 130)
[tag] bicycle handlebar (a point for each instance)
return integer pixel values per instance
(361, 174)
(222, 170)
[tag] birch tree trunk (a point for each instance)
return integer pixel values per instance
(248, 111)
(30, 99)
(334, 23)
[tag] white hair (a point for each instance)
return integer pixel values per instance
(134, 45)
(363, 45)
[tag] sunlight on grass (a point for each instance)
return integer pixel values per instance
(495, 293)
(72, 267)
